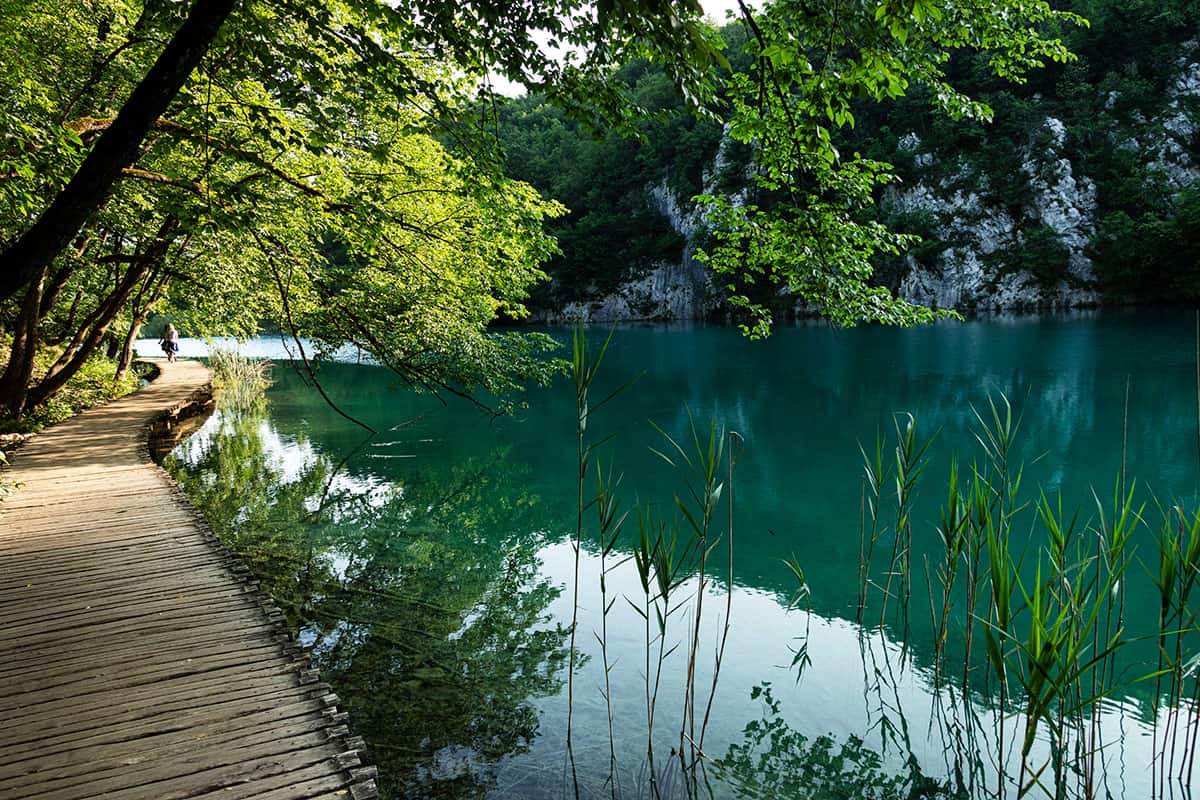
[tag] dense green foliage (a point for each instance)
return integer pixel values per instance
(295, 179)
(614, 230)
(1112, 100)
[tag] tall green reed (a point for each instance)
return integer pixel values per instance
(585, 364)
(1051, 617)
(701, 472)
(241, 381)
(673, 561)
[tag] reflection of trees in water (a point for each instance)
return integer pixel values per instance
(431, 625)
(774, 760)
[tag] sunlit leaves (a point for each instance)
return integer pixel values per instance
(805, 229)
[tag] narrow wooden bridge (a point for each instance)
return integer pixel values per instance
(138, 658)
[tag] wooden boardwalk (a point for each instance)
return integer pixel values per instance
(137, 657)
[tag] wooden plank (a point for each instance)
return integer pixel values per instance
(148, 754)
(300, 784)
(61, 683)
(202, 771)
(47, 723)
(115, 559)
(202, 571)
(126, 645)
(128, 614)
(119, 676)
(137, 660)
(97, 636)
(158, 594)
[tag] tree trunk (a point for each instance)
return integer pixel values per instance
(23, 261)
(127, 348)
(54, 291)
(14, 384)
(102, 314)
(140, 312)
(148, 260)
(55, 380)
(143, 261)
(70, 323)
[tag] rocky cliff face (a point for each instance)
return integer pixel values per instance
(681, 290)
(668, 291)
(968, 276)
(965, 275)
(975, 270)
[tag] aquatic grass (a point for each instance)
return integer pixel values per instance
(953, 535)
(609, 521)
(1178, 569)
(700, 471)
(802, 596)
(666, 557)
(1114, 553)
(736, 442)
(910, 460)
(1051, 620)
(584, 366)
(901, 472)
(876, 471)
(241, 381)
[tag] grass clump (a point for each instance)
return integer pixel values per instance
(241, 382)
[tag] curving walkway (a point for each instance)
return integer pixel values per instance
(138, 659)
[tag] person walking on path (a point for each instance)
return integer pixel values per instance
(170, 342)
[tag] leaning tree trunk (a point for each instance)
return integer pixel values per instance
(14, 383)
(23, 261)
(141, 309)
(102, 314)
(142, 263)
(56, 379)
(69, 325)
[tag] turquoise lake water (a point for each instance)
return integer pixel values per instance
(430, 567)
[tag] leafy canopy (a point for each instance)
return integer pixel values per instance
(810, 63)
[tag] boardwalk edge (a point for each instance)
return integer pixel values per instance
(361, 778)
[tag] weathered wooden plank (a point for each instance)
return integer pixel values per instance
(47, 723)
(203, 570)
(128, 522)
(66, 683)
(149, 754)
(301, 784)
(202, 771)
(111, 560)
(126, 615)
(158, 595)
(126, 645)
(95, 636)
(137, 659)
(119, 676)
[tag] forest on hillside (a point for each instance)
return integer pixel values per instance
(1123, 114)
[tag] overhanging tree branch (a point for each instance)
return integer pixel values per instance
(116, 149)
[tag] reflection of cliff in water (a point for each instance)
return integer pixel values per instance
(431, 626)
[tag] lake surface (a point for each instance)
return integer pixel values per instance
(430, 567)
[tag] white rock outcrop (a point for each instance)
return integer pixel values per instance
(970, 273)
